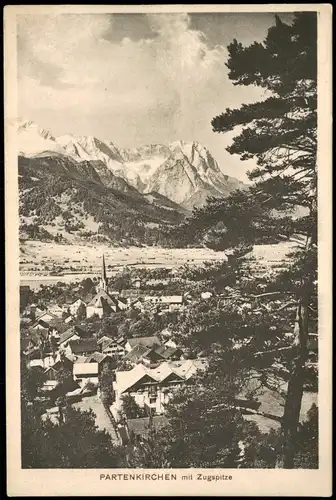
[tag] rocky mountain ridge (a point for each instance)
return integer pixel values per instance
(186, 173)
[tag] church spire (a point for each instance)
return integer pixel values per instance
(104, 270)
(103, 278)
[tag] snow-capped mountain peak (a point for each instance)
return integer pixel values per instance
(184, 172)
(33, 139)
(28, 125)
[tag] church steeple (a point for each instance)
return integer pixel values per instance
(104, 270)
(103, 279)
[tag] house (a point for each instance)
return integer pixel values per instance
(77, 359)
(103, 360)
(144, 341)
(44, 319)
(45, 362)
(113, 347)
(83, 373)
(76, 307)
(206, 295)
(167, 302)
(172, 302)
(131, 294)
(152, 388)
(169, 353)
(40, 325)
(151, 356)
(82, 347)
(132, 299)
(96, 357)
(56, 310)
(51, 374)
(102, 339)
(138, 353)
(73, 333)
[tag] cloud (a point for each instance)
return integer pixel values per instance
(131, 79)
(68, 60)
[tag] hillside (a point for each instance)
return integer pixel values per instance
(67, 201)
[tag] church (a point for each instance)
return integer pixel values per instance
(103, 304)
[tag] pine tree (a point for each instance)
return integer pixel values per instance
(281, 134)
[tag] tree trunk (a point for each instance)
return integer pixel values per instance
(291, 418)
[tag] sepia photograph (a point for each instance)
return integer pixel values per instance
(167, 202)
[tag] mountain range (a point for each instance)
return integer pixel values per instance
(186, 173)
(147, 186)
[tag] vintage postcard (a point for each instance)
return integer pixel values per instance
(168, 250)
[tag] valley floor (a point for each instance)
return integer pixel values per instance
(40, 258)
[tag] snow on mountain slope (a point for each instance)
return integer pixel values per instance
(184, 172)
(90, 148)
(139, 173)
(190, 175)
(33, 140)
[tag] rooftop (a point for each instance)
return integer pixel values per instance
(182, 369)
(145, 341)
(137, 353)
(83, 346)
(96, 357)
(167, 352)
(107, 343)
(102, 339)
(101, 299)
(85, 369)
(73, 330)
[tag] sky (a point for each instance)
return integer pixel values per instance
(136, 79)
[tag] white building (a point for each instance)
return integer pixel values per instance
(152, 388)
(44, 362)
(85, 372)
(76, 306)
(167, 302)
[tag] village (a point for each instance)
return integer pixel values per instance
(90, 368)
(89, 357)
